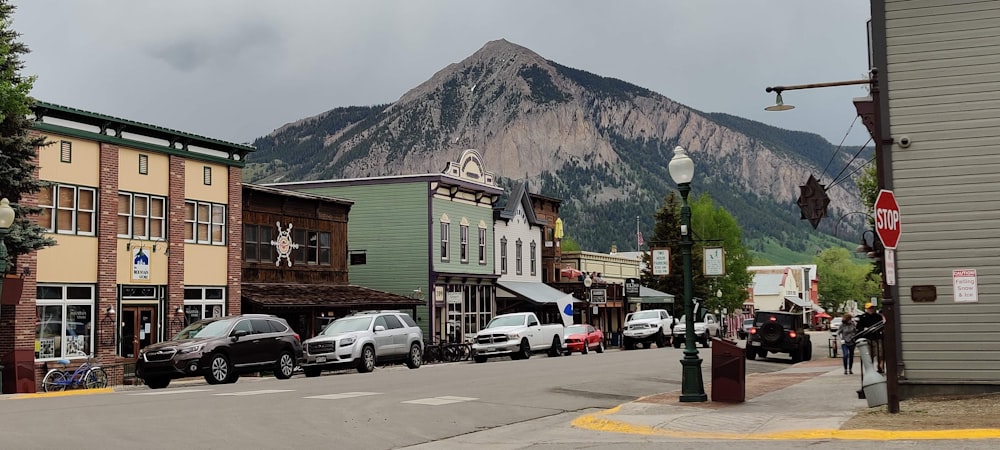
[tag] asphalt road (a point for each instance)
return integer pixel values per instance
(391, 408)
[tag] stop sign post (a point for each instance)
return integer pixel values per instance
(887, 224)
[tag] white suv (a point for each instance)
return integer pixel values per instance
(647, 327)
(364, 340)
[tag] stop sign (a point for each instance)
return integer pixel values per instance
(887, 218)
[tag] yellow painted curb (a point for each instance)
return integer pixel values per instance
(595, 423)
(64, 393)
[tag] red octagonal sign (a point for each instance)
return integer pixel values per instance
(887, 218)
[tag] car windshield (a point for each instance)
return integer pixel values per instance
(748, 323)
(204, 329)
(576, 329)
(506, 321)
(347, 324)
(645, 315)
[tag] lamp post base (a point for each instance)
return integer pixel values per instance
(692, 387)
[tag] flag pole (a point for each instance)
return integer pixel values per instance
(637, 244)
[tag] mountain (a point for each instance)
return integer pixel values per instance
(600, 144)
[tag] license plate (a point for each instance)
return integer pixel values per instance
(491, 349)
(321, 359)
(755, 344)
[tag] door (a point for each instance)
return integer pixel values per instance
(138, 329)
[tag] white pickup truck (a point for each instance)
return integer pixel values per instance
(647, 327)
(517, 335)
(703, 331)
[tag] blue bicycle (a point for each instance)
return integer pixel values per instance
(88, 375)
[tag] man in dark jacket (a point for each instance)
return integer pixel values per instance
(870, 327)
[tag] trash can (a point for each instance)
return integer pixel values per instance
(832, 342)
(728, 372)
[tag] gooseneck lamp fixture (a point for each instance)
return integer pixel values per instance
(692, 387)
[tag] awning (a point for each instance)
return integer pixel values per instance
(650, 295)
(282, 295)
(536, 292)
(799, 302)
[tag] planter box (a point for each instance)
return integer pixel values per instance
(12, 287)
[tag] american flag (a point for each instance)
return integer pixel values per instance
(641, 242)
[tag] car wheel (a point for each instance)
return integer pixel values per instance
(367, 361)
(629, 345)
(706, 341)
(660, 339)
(796, 355)
(808, 354)
(762, 354)
(751, 354)
(219, 370)
(524, 351)
(586, 348)
(415, 357)
(556, 348)
(647, 345)
(286, 365)
(157, 383)
(677, 342)
(311, 371)
(479, 359)
(600, 346)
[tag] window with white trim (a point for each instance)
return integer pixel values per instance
(65, 321)
(482, 243)
(445, 231)
(503, 255)
(534, 261)
(203, 303)
(464, 236)
(141, 216)
(67, 209)
(204, 222)
(518, 256)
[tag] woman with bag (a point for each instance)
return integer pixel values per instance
(846, 334)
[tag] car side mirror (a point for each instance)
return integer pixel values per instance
(238, 334)
(379, 328)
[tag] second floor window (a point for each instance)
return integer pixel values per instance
(204, 223)
(67, 209)
(503, 255)
(314, 247)
(534, 261)
(518, 257)
(464, 232)
(482, 246)
(141, 216)
(445, 230)
(257, 243)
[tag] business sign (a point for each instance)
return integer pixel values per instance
(140, 265)
(598, 296)
(714, 262)
(965, 285)
(631, 287)
(661, 261)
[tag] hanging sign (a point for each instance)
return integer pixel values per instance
(140, 265)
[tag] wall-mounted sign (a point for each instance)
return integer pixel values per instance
(598, 296)
(140, 265)
(715, 262)
(454, 298)
(965, 285)
(631, 287)
(284, 245)
(661, 261)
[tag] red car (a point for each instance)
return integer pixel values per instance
(582, 338)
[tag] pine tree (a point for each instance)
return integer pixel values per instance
(17, 143)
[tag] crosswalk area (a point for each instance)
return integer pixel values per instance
(429, 401)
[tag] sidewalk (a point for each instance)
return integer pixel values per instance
(809, 400)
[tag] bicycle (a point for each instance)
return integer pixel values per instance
(455, 352)
(86, 376)
(432, 351)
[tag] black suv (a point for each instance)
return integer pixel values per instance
(778, 332)
(222, 348)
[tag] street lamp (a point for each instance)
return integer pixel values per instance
(692, 387)
(6, 220)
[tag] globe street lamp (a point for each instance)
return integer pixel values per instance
(692, 388)
(6, 220)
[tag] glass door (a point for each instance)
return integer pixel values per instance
(138, 329)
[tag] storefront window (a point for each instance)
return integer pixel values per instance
(203, 303)
(64, 321)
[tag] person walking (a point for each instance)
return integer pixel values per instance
(845, 334)
(870, 327)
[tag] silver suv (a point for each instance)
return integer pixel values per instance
(363, 340)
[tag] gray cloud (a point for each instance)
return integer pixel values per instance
(190, 52)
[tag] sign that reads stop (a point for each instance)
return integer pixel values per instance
(887, 223)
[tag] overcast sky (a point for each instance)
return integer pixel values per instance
(237, 69)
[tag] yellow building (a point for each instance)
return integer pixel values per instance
(148, 224)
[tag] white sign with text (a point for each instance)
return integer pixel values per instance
(965, 285)
(661, 261)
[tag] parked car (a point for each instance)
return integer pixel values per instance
(744, 330)
(517, 335)
(364, 340)
(835, 323)
(222, 348)
(646, 327)
(704, 330)
(582, 338)
(779, 332)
